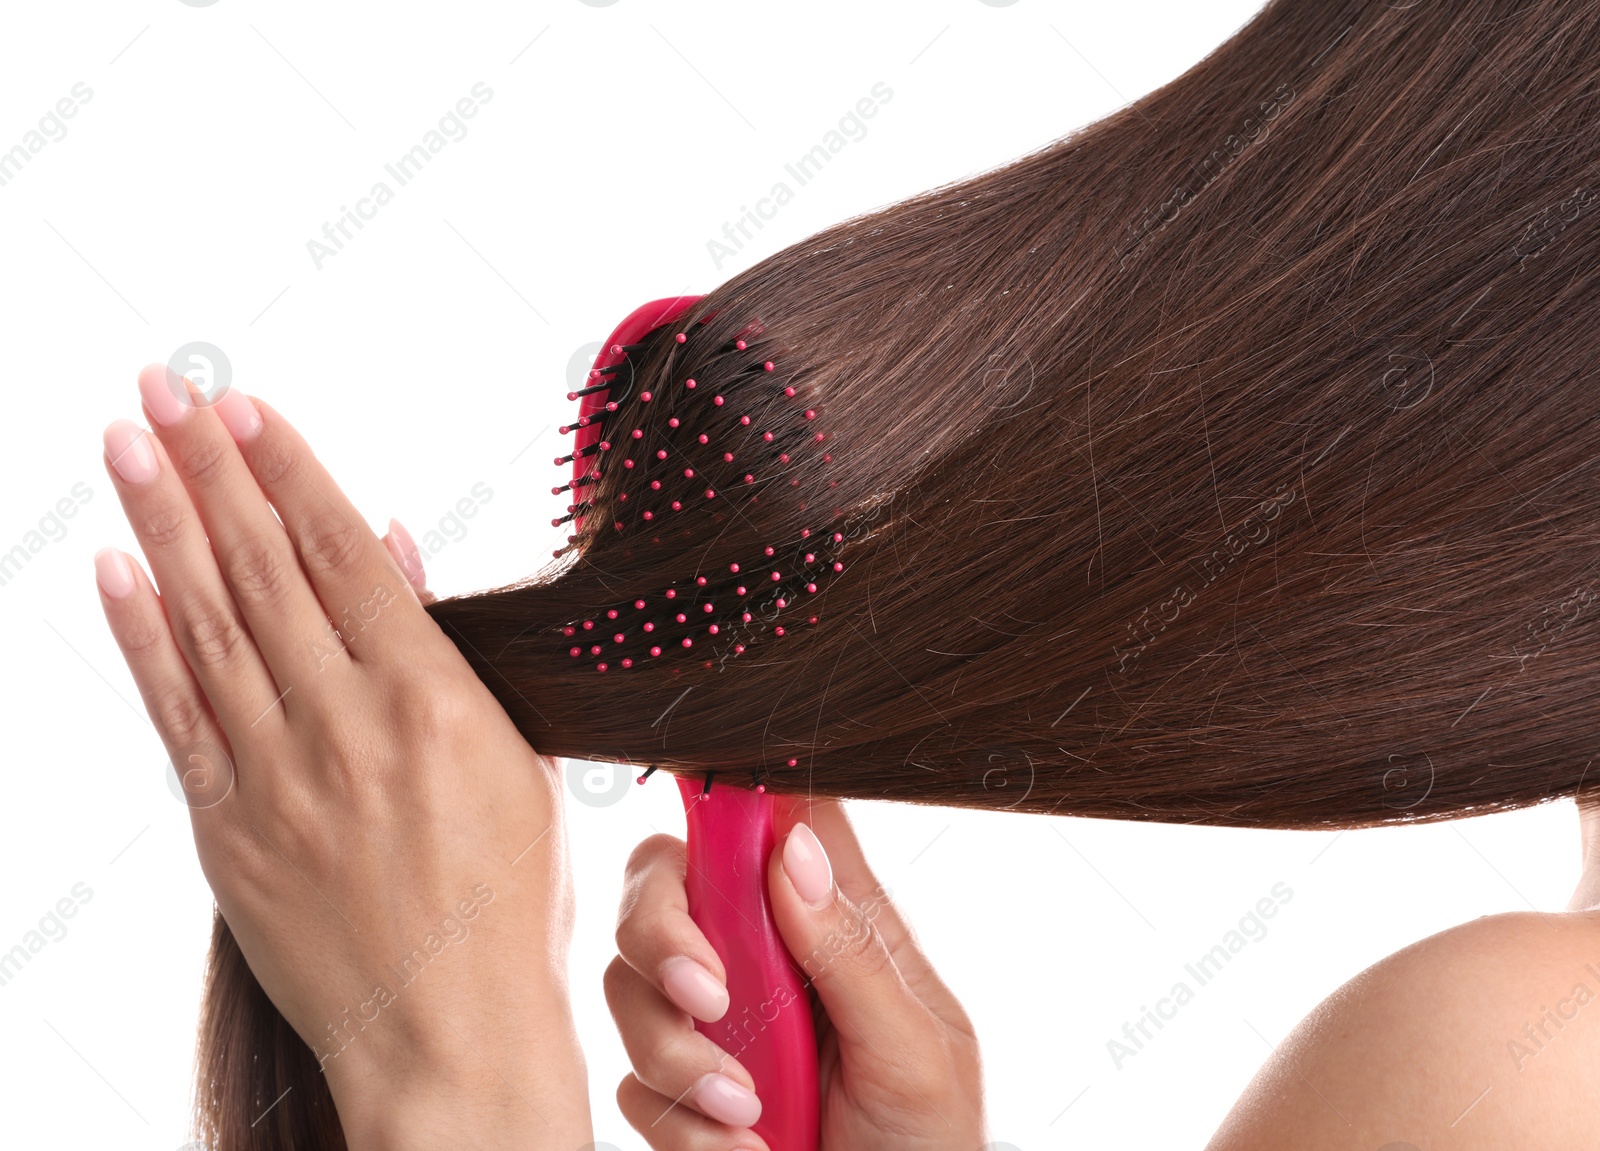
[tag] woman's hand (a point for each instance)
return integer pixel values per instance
(384, 845)
(898, 1061)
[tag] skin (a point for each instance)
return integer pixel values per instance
(379, 804)
(1428, 1047)
(898, 1060)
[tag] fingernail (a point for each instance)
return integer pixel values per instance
(693, 988)
(239, 416)
(160, 387)
(404, 550)
(129, 450)
(806, 865)
(113, 572)
(720, 1098)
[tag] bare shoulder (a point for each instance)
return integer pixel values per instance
(1483, 1036)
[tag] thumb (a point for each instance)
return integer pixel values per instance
(842, 952)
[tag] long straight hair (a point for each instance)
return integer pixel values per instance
(1229, 461)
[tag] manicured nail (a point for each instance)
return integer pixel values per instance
(404, 550)
(130, 452)
(157, 384)
(806, 865)
(693, 988)
(113, 572)
(720, 1098)
(239, 416)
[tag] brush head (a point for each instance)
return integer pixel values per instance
(681, 434)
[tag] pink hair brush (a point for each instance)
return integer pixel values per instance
(768, 1026)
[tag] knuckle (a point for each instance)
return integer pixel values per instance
(204, 460)
(653, 851)
(179, 714)
(258, 571)
(616, 974)
(271, 462)
(162, 527)
(861, 944)
(143, 636)
(329, 544)
(214, 634)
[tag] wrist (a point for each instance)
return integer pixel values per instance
(474, 1082)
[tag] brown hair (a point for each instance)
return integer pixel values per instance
(1229, 461)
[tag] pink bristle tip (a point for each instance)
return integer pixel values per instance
(600, 667)
(588, 625)
(673, 422)
(767, 436)
(687, 642)
(789, 392)
(639, 603)
(649, 515)
(681, 337)
(713, 629)
(740, 344)
(703, 438)
(717, 400)
(572, 396)
(706, 607)
(596, 649)
(611, 613)
(777, 631)
(661, 453)
(701, 581)
(676, 506)
(711, 494)
(672, 593)
(627, 663)
(627, 463)
(805, 533)
(738, 649)
(811, 589)
(811, 413)
(794, 763)
(739, 590)
(688, 473)
(819, 437)
(813, 619)
(569, 630)
(645, 396)
(655, 485)
(769, 550)
(767, 367)
(681, 618)
(783, 457)
(734, 568)
(655, 651)
(777, 575)
(744, 421)
(689, 384)
(727, 458)
(649, 627)
(638, 433)
(761, 789)
(749, 479)
(577, 651)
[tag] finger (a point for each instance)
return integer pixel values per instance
(838, 945)
(670, 1057)
(205, 621)
(404, 550)
(172, 697)
(656, 937)
(855, 877)
(670, 1128)
(252, 550)
(353, 574)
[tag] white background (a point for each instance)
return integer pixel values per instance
(432, 354)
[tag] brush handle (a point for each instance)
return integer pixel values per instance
(768, 1027)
